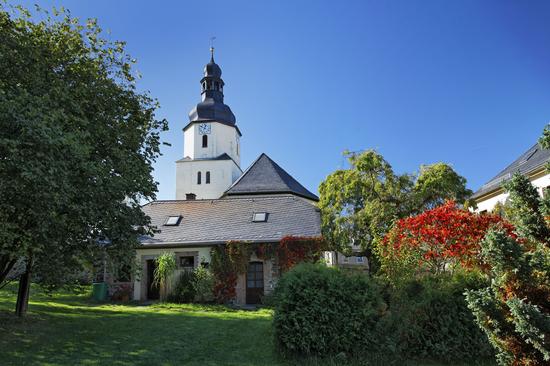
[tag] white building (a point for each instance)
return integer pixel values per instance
(217, 202)
(532, 164)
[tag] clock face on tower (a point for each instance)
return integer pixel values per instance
(204, 129)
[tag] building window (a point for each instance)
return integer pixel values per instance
(172, 221)
(360, 260)
(187, 262)
(259, 217)
(204, 140)
(190, 196)
(199, 178)
(207, 178)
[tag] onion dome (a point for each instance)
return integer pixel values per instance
(212, 107)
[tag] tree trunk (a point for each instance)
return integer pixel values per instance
(24, 290)
(6, 265)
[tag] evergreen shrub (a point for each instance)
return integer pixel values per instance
(323, 311)
(203, 284)
(183, 291)
(430, 319)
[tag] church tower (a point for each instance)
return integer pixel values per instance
(211, 161)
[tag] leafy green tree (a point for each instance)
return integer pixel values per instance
(514, 310)
(436, 184)
(77, 144)
(360, 204)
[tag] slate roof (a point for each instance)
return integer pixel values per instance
(220, 220)
(265, 176)
(528, 162)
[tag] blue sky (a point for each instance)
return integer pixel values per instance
(463, 82)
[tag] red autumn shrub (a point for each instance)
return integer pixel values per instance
(437, 240)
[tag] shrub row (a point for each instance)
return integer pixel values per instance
(325, 311)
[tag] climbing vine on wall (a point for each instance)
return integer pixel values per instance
(297, 249)
(227, 262)
(231, 259)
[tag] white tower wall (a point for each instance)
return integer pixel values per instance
(221, 139)
(222, 174)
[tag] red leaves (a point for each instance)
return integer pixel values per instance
(231, 260)
(293, 250)
(443, 233)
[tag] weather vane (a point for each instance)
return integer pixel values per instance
(212, 46)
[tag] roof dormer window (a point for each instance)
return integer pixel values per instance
(259, 217)
(173, 221)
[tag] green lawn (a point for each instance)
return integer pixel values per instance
(68, 329)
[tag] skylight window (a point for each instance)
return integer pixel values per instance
(259, 217)
(173, 221)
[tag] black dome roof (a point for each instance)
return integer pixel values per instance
(212, 107)
(212, 110)
(212, 69)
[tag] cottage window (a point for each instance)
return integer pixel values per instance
(259, 217)
(255, 275)
(187, 262)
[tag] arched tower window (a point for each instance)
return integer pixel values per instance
(199, 178)
(204, 140)
(207, 178)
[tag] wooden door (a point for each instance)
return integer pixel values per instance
(153, 292)
(254, 282)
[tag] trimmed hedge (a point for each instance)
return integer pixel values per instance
(431, 320)
(325, 311)
(321, 311)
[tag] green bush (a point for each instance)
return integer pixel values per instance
(203, 285)
(324, 311)
(430, 319)
(183, 290)
(321, 311)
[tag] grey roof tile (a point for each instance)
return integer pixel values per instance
(221, 220)
(531, 160)
(265, 176)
